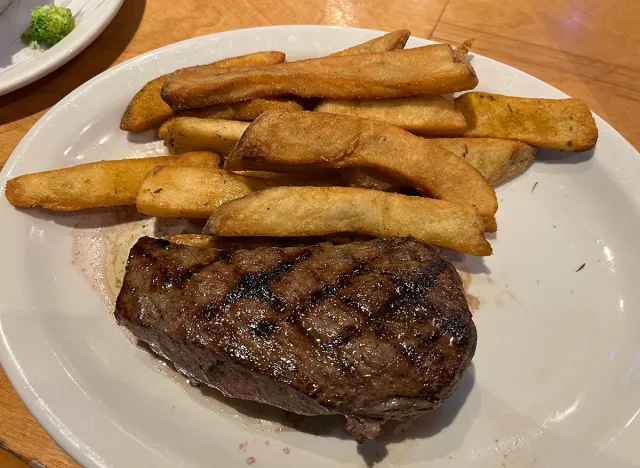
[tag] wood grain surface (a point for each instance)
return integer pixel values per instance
(586, 48)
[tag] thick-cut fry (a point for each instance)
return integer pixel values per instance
(195, 240)
(338, 141)
(390, 41)
(371, 178)
(423, 115)
(497, 160)
(563, 124)
(93, 185)
(313, 211)
(243, 110)
(318, 179)
(237, 243)
(147, 110)
(256, 59)
(430, 69)
(192, 192)
(184, 134)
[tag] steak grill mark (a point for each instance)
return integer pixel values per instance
(374, 330)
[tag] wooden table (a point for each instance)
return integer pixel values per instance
(587, 48)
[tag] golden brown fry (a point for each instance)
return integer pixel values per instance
(243, 110)
(497, 160)
(147, 110)
(105, 183)
(371, 178)
(313, 211)
(194, 240)
(564, 124)
(430, 69)
(391, 41)
(184, 134)
(192, 192)
(237, 243)
(93, 185)
(422, 115)
(462, 50)
(256, 59)
(318, 179)
(338, 141)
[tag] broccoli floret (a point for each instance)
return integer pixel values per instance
(49, 24)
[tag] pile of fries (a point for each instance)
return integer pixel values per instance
(361, 142)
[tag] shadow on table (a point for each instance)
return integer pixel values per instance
(99, 56)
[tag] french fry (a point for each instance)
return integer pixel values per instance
(184, 134)
(314, 211)
(192, 192)
(563, 124)
(338, 141)
(371, 178)
(147, 110)
(391, 41)
(317, 179)
(256, 59)
(237, 243)
(195, 240)
(422, 115)
(243, 110)
(497, 160)
(433, 69)
(93, 185)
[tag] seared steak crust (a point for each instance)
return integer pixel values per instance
(374, 330)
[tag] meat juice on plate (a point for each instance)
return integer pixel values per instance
(101, 245)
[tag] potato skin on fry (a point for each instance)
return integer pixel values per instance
(94, 185)
(497, 160)
(391, 41)
(432, 69)
(243, 110)
(563, 124)
(238, 243)
(370, 178)
(192, 192)
(338, 141)
(422, 115)
(313, 211)
(319, 179)
(147, 110)
(184, 134)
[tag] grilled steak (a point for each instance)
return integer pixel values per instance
(374, 330)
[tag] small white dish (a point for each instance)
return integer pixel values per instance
(555, 380)
(4, 4)
(20, 65)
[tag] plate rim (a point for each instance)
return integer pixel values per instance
(69, 51)
(9, 363)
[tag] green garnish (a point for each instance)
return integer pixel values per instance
(49, 25)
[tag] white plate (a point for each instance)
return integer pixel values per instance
(556, 377)
(20, 65)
